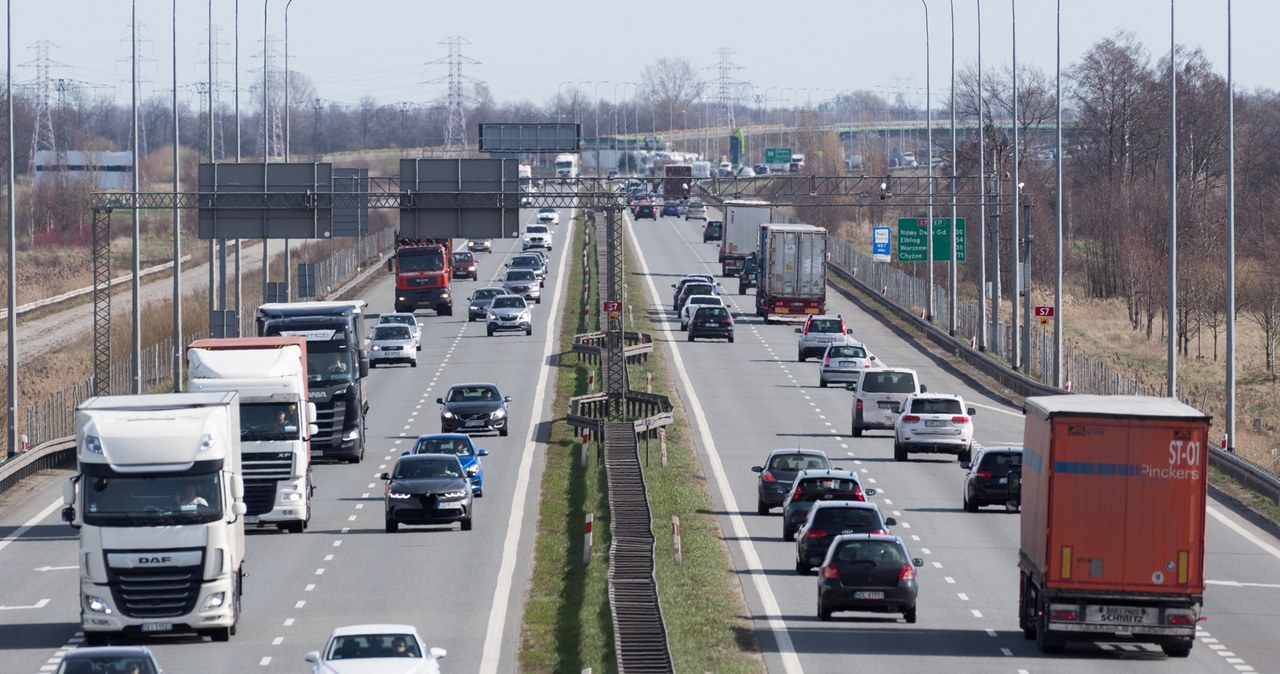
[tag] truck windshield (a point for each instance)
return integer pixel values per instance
(152, 500)
(261, 422)
(421, 260)
(328, 366)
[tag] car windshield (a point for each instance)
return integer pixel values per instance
(846, 518)
(520, 275)
(487, 293)
(106, 664)
(508, 303)
(463, 257)
(828, 484)
(698, 289)
(357, 646)
(471, 394)
(936, 406)
(874, 552)
(536, 229)
(706, 299)
(547, 210)
(889, 382)
(444, 445)
(847, 352)
(403, 319)
(993, 459)
(427, 468)
(389, 332)
(825, 325)
(798, 462)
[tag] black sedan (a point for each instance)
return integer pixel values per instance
(473, 408)
(994, 478)
(779, 470)
(868, 572)
(427, 489)
(645, 210)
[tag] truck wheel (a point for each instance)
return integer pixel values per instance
(294, 527)
(1049, 644)
(403, 308)
(1026, 610)
(1180, 648)
(220, 634)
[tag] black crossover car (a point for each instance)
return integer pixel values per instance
(473, 408)
(778, 472)
(427, 489)
(994, 478)
(868, 572)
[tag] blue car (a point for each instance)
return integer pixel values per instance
(460, 445)
(670, 209)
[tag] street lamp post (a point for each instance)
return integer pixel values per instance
(928, 108)
(982, 199)
(266, 142)
(1015, 189)
(595, 102)
(288, 264)
(951, 311)
(177, 347)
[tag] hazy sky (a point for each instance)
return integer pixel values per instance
(526, 51)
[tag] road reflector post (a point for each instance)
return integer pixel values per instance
(675, 539)
(586, 540)
(648, 382)
(591, 382)
(662, 440)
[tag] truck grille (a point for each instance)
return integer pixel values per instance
(428, 282)
(329, 418)
(259, 496)
(267, 465)
(162, 592)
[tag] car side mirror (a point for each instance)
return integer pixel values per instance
(872, 357)
(757, 469)
(966, 465)
(385, 476)
(439, 401)
(798, 331)
(439, 653)
(972, 411)
(406, 452)
(924, 389)
(849, 331)
(851, 387)
(312, 656)
(870, 491)
(506, 399)
(482, 452)
(916, 561)
(890, 521)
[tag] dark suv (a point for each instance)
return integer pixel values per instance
(828, 519)
(713, 231)
(818, 485)
(994, 478)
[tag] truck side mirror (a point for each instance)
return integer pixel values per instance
(924, 389)
(237, 489)
(364, 364)
(239, 509)
(312, 416)
(69, 515)
(391, 264)
(69, 492)
(312, 430)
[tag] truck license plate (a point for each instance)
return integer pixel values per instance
(1120, 615)
(250, 519)
(157, 627)
(868, 595)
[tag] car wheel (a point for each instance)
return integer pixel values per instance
(420, 346)
(490, 331)
(824, 613)
(909, 614)
(822, 383)
(466, 524)
(762, 508)
(479, 493)
(899, 452)
(802, 568)
(470, 319)
(788, 535)
(537, 300)
(690, 336)
(730, 339)
(800, 356)
(966, 455)
(413, 363)
(392, 526)
(502, 431)
(970, 506)
(528, 332)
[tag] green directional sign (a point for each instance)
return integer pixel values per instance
(777, 155)
(913, 248)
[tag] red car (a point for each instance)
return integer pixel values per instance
(464, 265)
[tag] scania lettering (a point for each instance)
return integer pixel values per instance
(158, 501)
(337, 366)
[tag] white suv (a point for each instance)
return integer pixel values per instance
(934, 422)
(537, 236)
(817, 332)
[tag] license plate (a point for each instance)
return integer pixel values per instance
(474, 423)
(888, 405)
(868, 595)
(250, 519)
(157, 627)
(934, 422)
(316, 453)
(1120, 615)
(448, 506)
(1002, 480)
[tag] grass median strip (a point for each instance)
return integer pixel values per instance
(567, 621)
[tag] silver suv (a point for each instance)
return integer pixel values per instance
(879, 396)
(818, 332)
(509, 312)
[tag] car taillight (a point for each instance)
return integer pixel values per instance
(910, 418)
(908, 572)
(799, 491)
(882, 532)
(857, 404)
(768, 477)
(815, 533)
(830, 572)
(858, 496)
(983, 474)
(960, 420)
(826, 361)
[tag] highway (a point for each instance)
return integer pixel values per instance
(463, 590)
(750, 397)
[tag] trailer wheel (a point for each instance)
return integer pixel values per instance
(1047, 643)
(1180, 648)
(1026, 610)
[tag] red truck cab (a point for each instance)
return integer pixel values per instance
(423, 270)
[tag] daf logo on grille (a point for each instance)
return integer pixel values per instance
(155, 560)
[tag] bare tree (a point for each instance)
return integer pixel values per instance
(671, 83)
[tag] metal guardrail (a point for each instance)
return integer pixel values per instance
(57, 453)
(1253, 476)
(636, 346)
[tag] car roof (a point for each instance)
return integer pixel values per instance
(828, 472)
(473, 383)
(108, 651)
(884, 538)
(860, 505)
(798, 450)
(1006, 449)
(447, 436)
(376, 628)
(426, 455)
(934, 396)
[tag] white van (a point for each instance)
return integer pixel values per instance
(879, 395)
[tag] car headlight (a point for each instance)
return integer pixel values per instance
(93, 444)
(493, 316)
(524, 315)
(398, 494)
(454, 494)
(215, 600)
(447, 414)
(477, 306)
(472, 470)
(377, 348)
(499, 413)
(97, 604)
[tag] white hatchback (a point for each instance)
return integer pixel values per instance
(934, 422)
(844, 362)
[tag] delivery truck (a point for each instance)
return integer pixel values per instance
(158, 502)
(1113, 518)
(741, 236)
(793, 271)
(277, 420)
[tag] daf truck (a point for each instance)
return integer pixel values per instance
(741, 236)
(792, 271)
(158, 501)
(277, 420)
(567, 167)
(337, 367)
(1114, 491)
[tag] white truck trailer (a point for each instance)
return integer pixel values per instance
(159, 504)
(276, 420)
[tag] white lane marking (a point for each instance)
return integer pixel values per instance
(359, 506)
(265, 661)
(277, 641)
(1008, 653)
(44, 569)
(320, 571)
(26, 526)
(962, 596)
(328, 558)
(1230, 583)
(993, 408)
(976, 613)
(39, 604)
(300, 604)
(773, 613)
(351, 519)
(937, 565)
(950, 580)
(926, 551)
(1244, 533)
(337, 543)
(991, 633)
(288, 622)
(492, 653)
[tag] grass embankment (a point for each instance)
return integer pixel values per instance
(567, 624)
